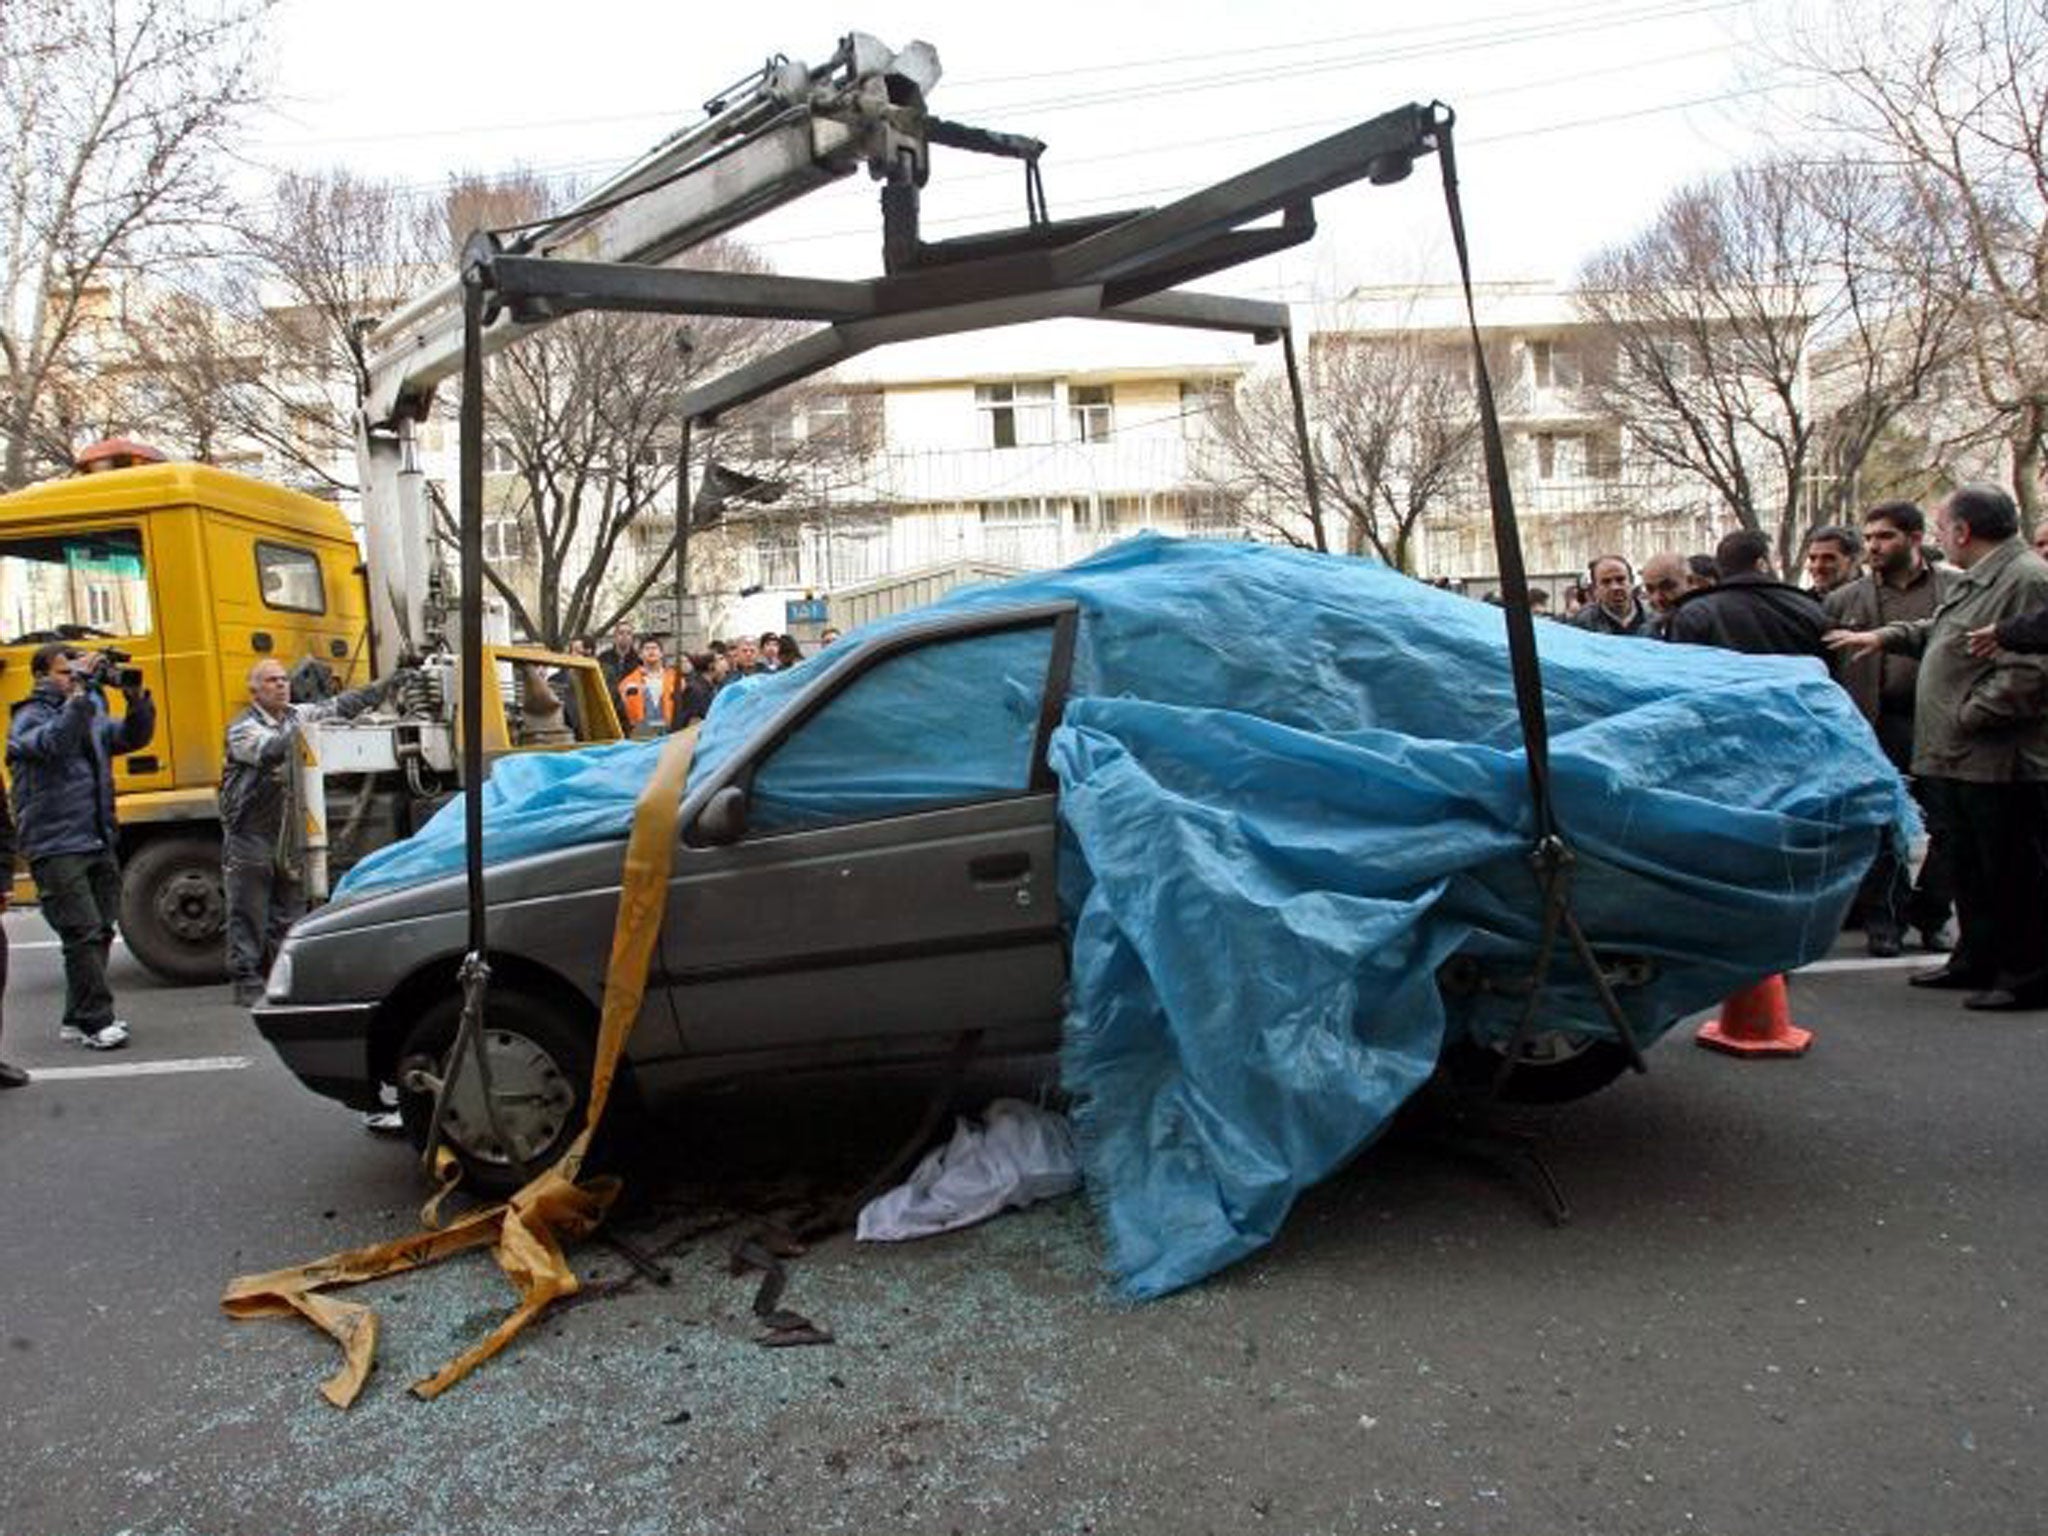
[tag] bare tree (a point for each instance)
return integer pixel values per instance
(329, 256)
(584, 426)
(1767, 321)
(1393, 429)
(184, 376)
(120, 114)
(1888, 334)
(1957, 94)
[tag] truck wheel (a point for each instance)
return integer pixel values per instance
(1556, 1066)
(174, 909)
(540, 1076)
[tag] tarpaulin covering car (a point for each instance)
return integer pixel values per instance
(1290, 790)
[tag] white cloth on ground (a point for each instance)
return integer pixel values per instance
(1016, 1155)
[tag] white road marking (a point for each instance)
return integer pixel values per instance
(1871, 963)
(141, 1068)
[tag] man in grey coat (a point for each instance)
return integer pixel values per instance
(265, 891)
(1980, 751)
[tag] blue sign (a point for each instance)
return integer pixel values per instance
(803, 610)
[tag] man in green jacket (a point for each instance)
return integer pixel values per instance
(1981, 749)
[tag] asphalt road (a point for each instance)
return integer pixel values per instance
(1793, 1297)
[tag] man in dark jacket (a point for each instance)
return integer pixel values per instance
(616, 660)
(1614, 609)
(266, 893)
(61, 747)
(1747, 610)
(1901, 586)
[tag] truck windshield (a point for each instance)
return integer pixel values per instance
(71, 586)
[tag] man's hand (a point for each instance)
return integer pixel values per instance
(1856, 643)
(1982, 642)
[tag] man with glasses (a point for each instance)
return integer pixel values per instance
(61, 748)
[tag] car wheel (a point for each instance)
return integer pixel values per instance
(1555, 1066)
(174, 909)
(540, 1067)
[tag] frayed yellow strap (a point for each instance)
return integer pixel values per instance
(526, 1232)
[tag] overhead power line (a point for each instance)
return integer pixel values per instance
(1472, 34)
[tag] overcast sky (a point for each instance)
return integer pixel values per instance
(1575, 119)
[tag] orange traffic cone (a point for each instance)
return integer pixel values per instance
(1756, 1021)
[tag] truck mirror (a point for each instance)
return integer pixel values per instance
(724, 819)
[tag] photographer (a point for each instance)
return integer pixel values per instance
(61, 748)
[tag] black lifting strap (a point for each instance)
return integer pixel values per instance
(1550, 855)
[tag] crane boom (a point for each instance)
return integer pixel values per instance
(790, 130)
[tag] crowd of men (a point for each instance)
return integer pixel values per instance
(653, 695)
(1943, 645)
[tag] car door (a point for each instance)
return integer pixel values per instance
(896, 877)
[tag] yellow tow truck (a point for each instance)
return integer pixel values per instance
(197, 574)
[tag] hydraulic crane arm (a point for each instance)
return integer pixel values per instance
(768, 141)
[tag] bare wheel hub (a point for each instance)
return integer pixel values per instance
(190, 906)
(533, 1096)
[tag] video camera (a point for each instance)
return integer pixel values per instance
(111, 668)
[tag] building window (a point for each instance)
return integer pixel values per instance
(1546, 455)
(1114, 517)
(850, 550)
(828, 422)
(1552, 365)
(1205, 405)
(1209, 516)
(1024, 531)
(776, 436)
(777, 557)
(504, 539)
(1018, 415)
(499, 458)
(1603, 456)
(1089, 406)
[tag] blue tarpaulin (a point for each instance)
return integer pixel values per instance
(1291, 787)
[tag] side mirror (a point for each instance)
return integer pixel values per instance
(724, 820)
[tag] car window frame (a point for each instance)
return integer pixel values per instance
(145, 552)
(862, 657)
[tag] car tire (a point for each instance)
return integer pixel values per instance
(1557, 1066)
(174, 909)
(540, 1066)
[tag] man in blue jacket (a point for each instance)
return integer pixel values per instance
(61, 748)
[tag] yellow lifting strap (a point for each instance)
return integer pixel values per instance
(529, 1229)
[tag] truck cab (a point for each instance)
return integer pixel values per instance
(197, 573)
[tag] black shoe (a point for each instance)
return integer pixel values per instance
(1883, 945)
(1947, 979)
(1934, 940)
(1999, 1000)
(12, 1076)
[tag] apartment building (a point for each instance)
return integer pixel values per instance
(1582, 486)
(1009, 450)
